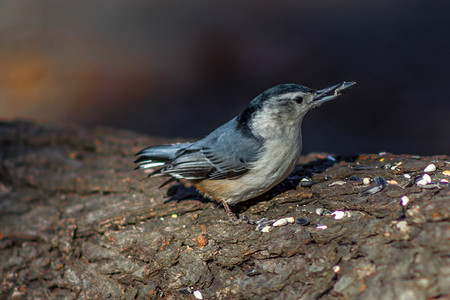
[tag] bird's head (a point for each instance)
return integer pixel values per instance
(282, 107)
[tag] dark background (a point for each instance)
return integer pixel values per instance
(181, 69)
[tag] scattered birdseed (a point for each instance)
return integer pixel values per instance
(385, 166)
(396, 165)
(174, 216)
(322, 227)
(264, 222)
(338, 214)
(197, 294)
(186, 291)
(404, 200)
(336, 269)
(380, 185)
(266, 229)
(290, 220)
(430, 168)
(280, 222)
(301, 221)
(307, 182)
(319, 211)
(380, 181)
(446, 173)
(366, 180)
(326, 212)
(339, 182)
(424, 180)
(407, 176)
(372, 190)
(354, 178)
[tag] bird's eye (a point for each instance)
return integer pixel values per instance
(299, 99)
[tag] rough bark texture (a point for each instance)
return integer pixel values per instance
(77, 222)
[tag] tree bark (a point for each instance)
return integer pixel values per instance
(78, 222)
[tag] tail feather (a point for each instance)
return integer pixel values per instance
(158, 156)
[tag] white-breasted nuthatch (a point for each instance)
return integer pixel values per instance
(248, 155)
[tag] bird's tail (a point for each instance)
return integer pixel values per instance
(159, 156)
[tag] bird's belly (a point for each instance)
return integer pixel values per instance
(268, 172)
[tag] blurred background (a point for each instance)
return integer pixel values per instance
(180, 69)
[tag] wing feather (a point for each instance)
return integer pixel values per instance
(226, 153)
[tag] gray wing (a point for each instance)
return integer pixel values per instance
(228, 152)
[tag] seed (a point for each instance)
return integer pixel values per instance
(371, 191)
(290, 220)
(266, 229)
(424, 180)
(307, 182)
(336, 269)
(322, 227)
(263, 223)
(301, 221)
(396, 165)
(430, 168)
(263, 220)
(404, 200)
(354, 178)
(366, 180)
(319, 211)
(339, 182)
(197, 294)
(338, 214)
(280, 222)
(186, 291)
(380, 181)
(427, 178)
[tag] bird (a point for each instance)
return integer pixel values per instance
(249, 154)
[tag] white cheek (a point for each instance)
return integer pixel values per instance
(277, 123)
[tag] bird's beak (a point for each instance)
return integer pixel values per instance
(331, 92)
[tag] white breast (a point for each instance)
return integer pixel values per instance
(276, 163)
